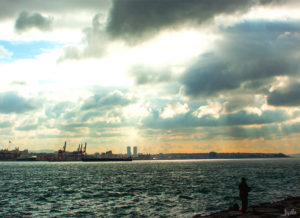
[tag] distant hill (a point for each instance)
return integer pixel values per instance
(295, 155)
(215, 155)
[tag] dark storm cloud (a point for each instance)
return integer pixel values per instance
(259, 85)
(287, 96)
(251, 54)
(135, 19)
(11, 102)
(245, 118)
(27, 21)
(233, 119)
(209, 78)
(113, 99)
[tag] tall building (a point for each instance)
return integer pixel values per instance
(129, 151)
(135, 152)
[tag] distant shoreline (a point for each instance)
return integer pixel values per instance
(152, 160)
(15, 155)
(210, 155)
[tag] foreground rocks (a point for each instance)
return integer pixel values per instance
(289, 207)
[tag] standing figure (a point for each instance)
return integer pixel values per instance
(244, 189)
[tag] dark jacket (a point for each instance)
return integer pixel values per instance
(244, 189)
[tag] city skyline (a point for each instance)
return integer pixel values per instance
(167, 76)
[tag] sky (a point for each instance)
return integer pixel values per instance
(163, 75)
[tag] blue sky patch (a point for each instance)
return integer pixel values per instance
(27, 50)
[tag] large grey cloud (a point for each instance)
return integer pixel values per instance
(135, 19)
(240, 118)
(210, 77)
(286, 96)
(12, 8)
(232, 126)
(11, 102)
(107, 100)
(27, 21)
(249, 57)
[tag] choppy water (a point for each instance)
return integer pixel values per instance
(151, 188)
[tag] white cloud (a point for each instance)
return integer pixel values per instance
(212, 108)
(4, 53)
(173, 109)
(96, 60)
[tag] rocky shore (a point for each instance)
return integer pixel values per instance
(289, 207)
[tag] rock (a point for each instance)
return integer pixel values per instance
(288, 207)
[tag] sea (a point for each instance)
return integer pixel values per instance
(176, 188)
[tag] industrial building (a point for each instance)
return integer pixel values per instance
(135, 151)
(128, 150)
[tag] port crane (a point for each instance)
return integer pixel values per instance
(81, 150)
(77, 155)
(61, 153)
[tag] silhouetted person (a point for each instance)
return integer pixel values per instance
(244, 189)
